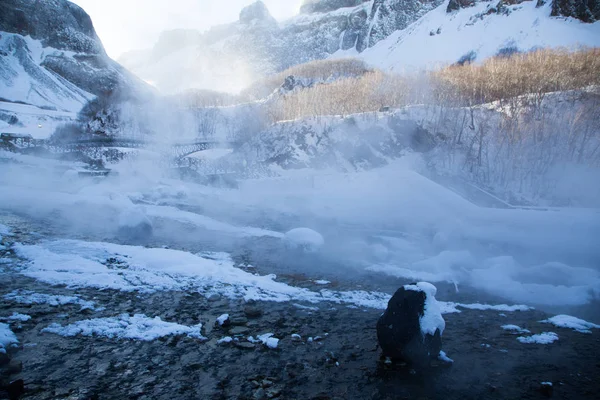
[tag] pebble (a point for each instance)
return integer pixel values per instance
(245, 345)
(238, 320)
(238, 330)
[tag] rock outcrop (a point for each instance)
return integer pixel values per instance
(584, 10)
(51, 56)
(411, 327)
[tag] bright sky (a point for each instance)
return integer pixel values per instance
(125, 25)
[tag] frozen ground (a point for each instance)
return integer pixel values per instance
(90, 291)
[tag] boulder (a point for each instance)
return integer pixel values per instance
(411, 327)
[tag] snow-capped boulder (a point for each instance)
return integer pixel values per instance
(134, 225)
(305, 239)
(411, 327)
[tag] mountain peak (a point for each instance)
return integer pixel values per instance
(58, 23)
(256, 11)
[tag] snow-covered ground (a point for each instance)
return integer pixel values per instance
(524, 27)
(37, 122)
(137, 327)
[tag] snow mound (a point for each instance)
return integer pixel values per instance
(305, 239)
(567, 321)
(222, 319)
(515, 329)
(137, 327)
(29, 297)
(7, 337)
(498, 307)
(16, 317)
(432, 319)
(443, 357)
(542, 338)
(268, 340)
(134, 225)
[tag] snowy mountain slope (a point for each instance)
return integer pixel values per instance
(229, 57)
(440, 38)
(24, 78)
(51, 57)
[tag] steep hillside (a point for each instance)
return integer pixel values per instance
(445, 36)
(51, 58)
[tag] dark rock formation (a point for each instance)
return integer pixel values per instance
(59, 26)
(58, 23)
(455, 5)
(584, 10)
(411, 327)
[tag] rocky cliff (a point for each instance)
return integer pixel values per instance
(51, 57)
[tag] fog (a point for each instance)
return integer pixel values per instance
(381, 226)
(126, 25)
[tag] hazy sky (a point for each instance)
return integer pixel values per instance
(125, 25)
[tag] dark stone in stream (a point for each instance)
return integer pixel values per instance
(15, 389)
(399, 329)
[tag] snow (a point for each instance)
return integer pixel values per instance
(211, 154)
(567, 321)
(515, 329)
(443, 357)
(431, 320)
(304, 238)
(322, 282)
(136, 327)
(546, 383)
(222, 318)
(16, 317)
(205, 222)
(26, 80)
(79, 264)
(29, 297)
(526, 27)
(497, 307)
(226, 339)
(542, 338)
(268, 340)
(7, 337)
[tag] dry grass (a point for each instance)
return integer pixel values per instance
(346, 86)
(320, 70)
(369, 92)
(538, 72)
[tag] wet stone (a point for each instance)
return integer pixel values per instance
(245, 345)
(238, 320)
(253, 311)
(214, 297)
(238, 330)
